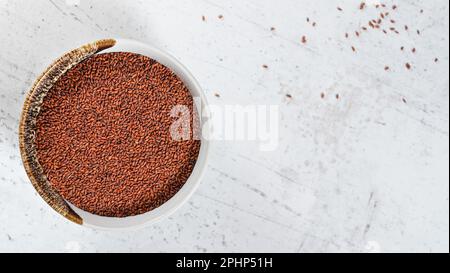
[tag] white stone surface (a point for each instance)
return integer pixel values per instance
(366, 172)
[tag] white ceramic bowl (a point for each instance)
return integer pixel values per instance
(96, 221)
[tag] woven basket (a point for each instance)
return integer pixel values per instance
(30, 112)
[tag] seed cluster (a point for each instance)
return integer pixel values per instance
(385, 22)
(103, 135)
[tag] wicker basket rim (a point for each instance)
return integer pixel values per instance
(27, 125)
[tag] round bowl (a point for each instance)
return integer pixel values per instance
(31, 110)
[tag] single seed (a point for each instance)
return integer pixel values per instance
(304, 40)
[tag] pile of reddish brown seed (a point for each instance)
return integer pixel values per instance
(103, 135)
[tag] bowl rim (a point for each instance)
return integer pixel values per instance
(192, 183)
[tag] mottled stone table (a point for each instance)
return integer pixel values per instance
(363, 171)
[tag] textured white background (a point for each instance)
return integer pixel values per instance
(366, 172)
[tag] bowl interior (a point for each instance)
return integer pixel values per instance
(191, 184)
